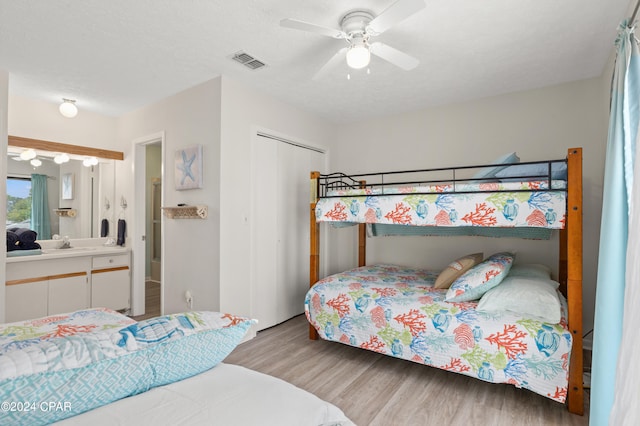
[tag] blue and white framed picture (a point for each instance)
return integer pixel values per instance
(188, 170)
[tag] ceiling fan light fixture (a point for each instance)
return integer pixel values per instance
(358, 56)
(68, 108)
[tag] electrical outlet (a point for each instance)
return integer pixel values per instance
(188, 297)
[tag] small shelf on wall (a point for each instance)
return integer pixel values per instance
(186, 212)
(66, 212)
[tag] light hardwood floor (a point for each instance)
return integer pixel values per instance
(375, 389)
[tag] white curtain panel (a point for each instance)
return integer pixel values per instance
(626, 407)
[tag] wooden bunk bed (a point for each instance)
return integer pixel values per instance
(569, 267)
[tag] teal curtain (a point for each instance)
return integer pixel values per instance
(40, 218)
(618, 184)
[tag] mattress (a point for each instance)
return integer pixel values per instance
(225, 395)
(396, 311)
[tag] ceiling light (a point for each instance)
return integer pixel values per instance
(61, 158)
(28, 154)
(90, 161)
(358, 55)
(68, 108)
(36, 163)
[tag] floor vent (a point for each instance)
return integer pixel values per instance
(248, 60)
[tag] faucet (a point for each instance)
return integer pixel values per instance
(66, 242)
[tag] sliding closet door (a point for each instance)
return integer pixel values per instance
(281, 229)
(264, 233)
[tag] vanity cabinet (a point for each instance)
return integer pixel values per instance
(46, 287)
(69, 293)
(26, 300)
(67, 281)
(111, 282)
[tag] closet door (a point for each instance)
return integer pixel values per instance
(264, 233)
(281, 229)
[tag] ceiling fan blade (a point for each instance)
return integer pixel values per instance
(396, 57)
(306, 26)
(399, 11)
(331, 63)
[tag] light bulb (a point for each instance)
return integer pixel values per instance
(358, 56)
(36, 163)
(90, 161)
(68, 108)
(61, 158)
(28, 154)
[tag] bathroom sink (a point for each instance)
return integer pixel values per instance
(68, 250)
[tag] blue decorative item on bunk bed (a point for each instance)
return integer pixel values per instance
(481, 278)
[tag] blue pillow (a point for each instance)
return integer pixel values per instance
(490, 172)
(89, 370)
(558, 171)
(481, 278)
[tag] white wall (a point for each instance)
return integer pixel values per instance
(35, 119)
(191, 247)
(538, 124)
(4, 95)
(244, 111)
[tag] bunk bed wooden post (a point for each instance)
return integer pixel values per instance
(571, 277)
(362, 237)
(314, 252)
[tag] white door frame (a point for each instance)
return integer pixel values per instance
(139, 221)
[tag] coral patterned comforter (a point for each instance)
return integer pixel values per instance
(19, 335)
(396, 311)
(521, 204)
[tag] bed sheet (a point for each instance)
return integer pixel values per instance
(225, 395)
(476, 204)
(396, 311)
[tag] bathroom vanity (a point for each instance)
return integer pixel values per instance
(65, 280)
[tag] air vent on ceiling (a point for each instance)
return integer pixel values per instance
(248, 60)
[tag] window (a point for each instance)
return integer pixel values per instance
(18, 202)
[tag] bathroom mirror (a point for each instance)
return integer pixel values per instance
(81, 198)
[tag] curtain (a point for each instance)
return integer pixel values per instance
(625, 408)
(40, 221)
(614, 231)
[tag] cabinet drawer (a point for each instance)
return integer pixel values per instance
(110, 261)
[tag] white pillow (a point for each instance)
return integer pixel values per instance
(530, 297)
(531, 270)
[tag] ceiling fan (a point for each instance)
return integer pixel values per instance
(357, 28)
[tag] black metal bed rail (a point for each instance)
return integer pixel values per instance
(342, 181)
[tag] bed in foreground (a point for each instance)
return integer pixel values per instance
(99, 367)
(407, 314)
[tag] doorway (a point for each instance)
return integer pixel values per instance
(148, 287)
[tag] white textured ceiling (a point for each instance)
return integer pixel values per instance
(115, 56)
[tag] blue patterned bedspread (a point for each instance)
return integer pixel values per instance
(519, 204)
(396, 311)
